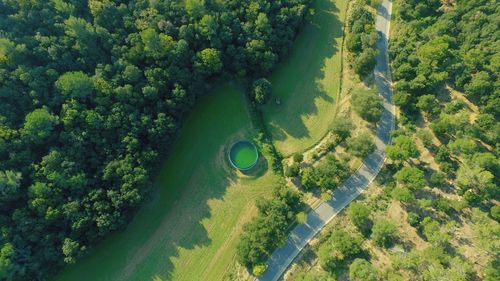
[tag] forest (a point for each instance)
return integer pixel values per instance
(433, 212)
(92, 94)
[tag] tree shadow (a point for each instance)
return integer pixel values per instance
(297, 83)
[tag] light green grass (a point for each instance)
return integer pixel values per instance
(190, 229)
(307, 82)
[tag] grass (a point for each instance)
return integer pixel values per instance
(189, 230)
(307, 82)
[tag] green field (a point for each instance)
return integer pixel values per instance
(307, 82)
(190, 229)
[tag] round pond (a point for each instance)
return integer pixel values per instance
(243, 155)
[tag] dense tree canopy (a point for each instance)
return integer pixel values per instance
(91, 94)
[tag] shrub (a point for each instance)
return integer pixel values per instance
(413, 219)
(437, 179)
(293, 170)
(259, 269)
(298, 157)
(261, 91)
(362, 270)
(495, 212)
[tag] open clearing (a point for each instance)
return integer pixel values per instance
(307, 82)
(189, 230)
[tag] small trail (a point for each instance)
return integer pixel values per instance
(282, 257)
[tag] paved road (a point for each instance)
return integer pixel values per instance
(359, 181)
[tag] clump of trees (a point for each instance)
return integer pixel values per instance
(268, 229)
(340, 248)
(92, 92)
(362, 39)
(327, 175)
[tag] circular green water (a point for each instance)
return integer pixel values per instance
(243, 155)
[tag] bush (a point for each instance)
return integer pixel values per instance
(437, 179)
(293, 170)
(261, 91)
(495, 212)
(426, 137)
(413, 219)
(402, 194)
(362, 270)
(297, 158)
(259, 269)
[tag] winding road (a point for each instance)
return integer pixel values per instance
(282, 257)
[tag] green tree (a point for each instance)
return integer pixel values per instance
(361, 145)
(365, 62)
(411, 177)
(10, 183)
(368, 105)
(359, 214)
(209, 61)
(75, 85)
(38, 125)
(428, 104)
(402, 149)
(384, 233)
(362, 270)
(309, 178)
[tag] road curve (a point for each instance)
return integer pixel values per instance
(357, 182)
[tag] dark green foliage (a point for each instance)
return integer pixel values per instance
(413, 219)
(340, 247)
(268, 230)
(91, 96)
(402, 149)
(359, 214)
(261, 91)
(410, 177)
(298, 158)
(362, 39)
(495, 212)
(384, 233)
(437, 179)
(361, 145)
(428, 104)
(293, 170)
(402, 194)
(362, 270)
(368, 105)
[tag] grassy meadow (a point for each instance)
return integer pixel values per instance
(307, 82)
(190, 228)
